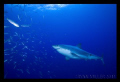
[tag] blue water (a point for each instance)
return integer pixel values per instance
(28, 51)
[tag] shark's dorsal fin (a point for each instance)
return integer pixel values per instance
(79, 45)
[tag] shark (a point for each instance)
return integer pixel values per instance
(75, 52)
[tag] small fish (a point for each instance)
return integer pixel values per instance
(25, 47)
(5, 33)
(22, 43)
(19, 17)
(6, 54)
(20, 70)
(28, 71)
(23, 59)
(5, 75)
(6, 26)
(12, 22)
(14, 66)
(16, 34)
(5, 60)
(22, 35)
(25, 25)
(6, 49)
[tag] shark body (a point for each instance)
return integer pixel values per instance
(75, 52)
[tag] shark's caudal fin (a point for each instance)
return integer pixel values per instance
(102, 60)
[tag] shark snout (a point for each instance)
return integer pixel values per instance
(55, 46)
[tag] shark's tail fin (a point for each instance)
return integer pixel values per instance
(102, 60)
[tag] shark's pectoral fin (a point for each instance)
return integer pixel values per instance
(79, 45)
(76, 55)
(67, 58)
(102, 60)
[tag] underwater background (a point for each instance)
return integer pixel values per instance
(30, 30)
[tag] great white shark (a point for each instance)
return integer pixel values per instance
(75, 52)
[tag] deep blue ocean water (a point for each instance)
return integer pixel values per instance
(28, 51)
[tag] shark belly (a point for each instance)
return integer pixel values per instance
(67, 53)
